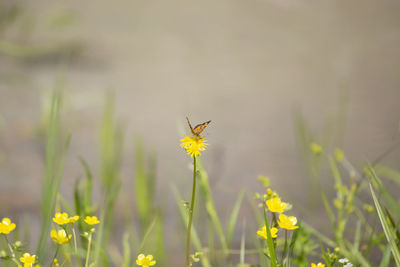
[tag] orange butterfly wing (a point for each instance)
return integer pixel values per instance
(198, 129)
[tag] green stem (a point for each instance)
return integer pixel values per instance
(285, 247)
(55, 256)
(76, 250)
(88, 249)
(11, 250)
(270, 243)
(9, 246)
(191, 214)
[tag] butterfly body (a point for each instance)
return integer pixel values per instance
(198, 129)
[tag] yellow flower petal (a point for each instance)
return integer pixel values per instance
(193, 146)
(60, 236)
(91, 220)
(6, 226)
(27, 259)
(61, 218)
(276, 205)
(145, 261)
(73, 219)
(288, 223)
(263, 232)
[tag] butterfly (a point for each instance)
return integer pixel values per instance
(196, 131)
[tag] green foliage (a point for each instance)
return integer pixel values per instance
(53, 170)
(357, 202)
(387, 226)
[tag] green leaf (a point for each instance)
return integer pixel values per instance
(233, 218)
(385, 225)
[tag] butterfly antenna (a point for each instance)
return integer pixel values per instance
(189, 124)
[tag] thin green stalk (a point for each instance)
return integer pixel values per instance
(55, 256)
(11, 250)
(285, 247)
(9, 246)
(191, 214)
(75, 247)
(88, 249)
(269, 241)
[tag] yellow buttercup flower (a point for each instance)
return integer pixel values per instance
(263, 232)
(320, 264)
(60, 236)
(91, 220)
(145, 261)
(276, 205)
(61, 218)
(288, 223)
(6, 226)
(193, 145)
(316, 149)
(73, 219)
(27, 259)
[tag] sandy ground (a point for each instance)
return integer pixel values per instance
(246, 65)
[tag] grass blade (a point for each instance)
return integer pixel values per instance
(52, 175)
(385, 225)
(210, 206)
(127, 250)
(233, 218)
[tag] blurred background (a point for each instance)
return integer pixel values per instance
(265, 72)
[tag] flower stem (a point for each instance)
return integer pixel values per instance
(191, 214)
(285, 247)
(76, 250)
(11, 250)
(270, 242)
(9, 246)
(55, 256)
(88, 249)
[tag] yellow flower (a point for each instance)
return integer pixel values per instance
(269, 191)
(60, 236)
(276, 205)
(27, 259)
(61, 218)
(6, 226)
(73, 219)
(339, 155)
(263, 232)
(316, 149)
(145, 261)
(55, 262)
(193, 145)
(288, 223)
(317, 265)
(91, 220)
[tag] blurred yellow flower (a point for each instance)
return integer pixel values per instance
(339, 155)
(317, 265)
(73, 219)
(6, 226)
(60, 236)
(276, 205)
(193, 145)
(269, 191)
(91, 220)
(288, 223)
(61, 218)
(145, 261)
(27, 259)
(316, 149)
(263, 232)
